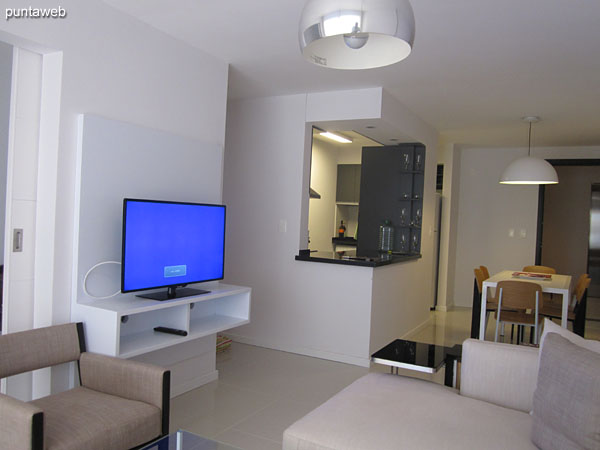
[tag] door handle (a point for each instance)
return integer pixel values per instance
(17, 239)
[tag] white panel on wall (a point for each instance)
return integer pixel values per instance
(344, 105)
(21, 189)
(118, 160)
(6, 56)
(26, 134)
(25, 152)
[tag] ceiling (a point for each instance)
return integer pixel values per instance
(476, 68)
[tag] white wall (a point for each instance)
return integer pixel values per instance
(297, 306)
(450, 156)
(118, 67)
(6, 56)
(323, 179)
(487, 211)
(399, 302)
(312, 308)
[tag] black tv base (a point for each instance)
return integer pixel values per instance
(172, 293)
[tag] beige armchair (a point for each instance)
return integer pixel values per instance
(119, 404)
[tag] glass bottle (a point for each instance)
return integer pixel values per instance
(342, 229)
(386, 237)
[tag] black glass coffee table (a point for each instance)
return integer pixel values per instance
(419, 357)
(184, 440)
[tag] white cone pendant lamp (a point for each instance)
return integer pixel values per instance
(356, 34)
(529, 169)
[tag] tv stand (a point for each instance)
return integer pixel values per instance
(123, 326)
(172, 293)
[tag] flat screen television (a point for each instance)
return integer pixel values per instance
(171, 244)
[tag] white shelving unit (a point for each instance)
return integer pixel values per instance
(348, 212)
(124, 326)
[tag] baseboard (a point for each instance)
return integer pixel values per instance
(347, 359)
(194, 383)
(416, 329)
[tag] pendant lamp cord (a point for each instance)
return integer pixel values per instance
(529, 148)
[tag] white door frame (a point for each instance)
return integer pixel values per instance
(33, 205)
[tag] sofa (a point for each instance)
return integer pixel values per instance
(502, 403)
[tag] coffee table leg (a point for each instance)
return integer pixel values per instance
(450, 374)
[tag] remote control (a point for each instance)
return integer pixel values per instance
(171, 331)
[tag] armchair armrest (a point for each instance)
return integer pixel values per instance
(128, 379)
(21, 424)
(502, 374)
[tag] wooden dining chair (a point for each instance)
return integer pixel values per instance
(577, 308)
(556, 300)
(539, 269)
(519, 303)
(476, 307)
(492, 302)
(490, 306)
(485, 271)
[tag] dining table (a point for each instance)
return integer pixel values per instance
(554, 284)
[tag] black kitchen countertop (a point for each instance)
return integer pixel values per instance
(349, 258)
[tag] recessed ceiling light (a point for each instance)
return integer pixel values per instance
(336, 137)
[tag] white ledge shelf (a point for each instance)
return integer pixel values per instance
(124, 326)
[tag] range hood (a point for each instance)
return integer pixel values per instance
(313, 193)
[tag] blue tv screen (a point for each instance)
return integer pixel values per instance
(171, 243)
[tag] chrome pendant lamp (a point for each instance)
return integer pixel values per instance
(529, 169)
(356, 34)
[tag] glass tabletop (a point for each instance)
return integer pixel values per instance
(184, 440)
(411, 353)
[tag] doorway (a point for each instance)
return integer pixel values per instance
(594, 242)
(565, 229)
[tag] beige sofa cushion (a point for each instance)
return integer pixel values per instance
(551, 327)
(121, 377)
(502, 374)
(85, 419)
(384, 411)
(566, 403)
(16, 421)
(42, 347)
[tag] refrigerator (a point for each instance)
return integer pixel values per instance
(437, 222)
(594, 243)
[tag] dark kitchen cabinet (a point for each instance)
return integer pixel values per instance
(392, 189)
(348, 183)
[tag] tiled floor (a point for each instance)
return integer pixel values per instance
(260, 392)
